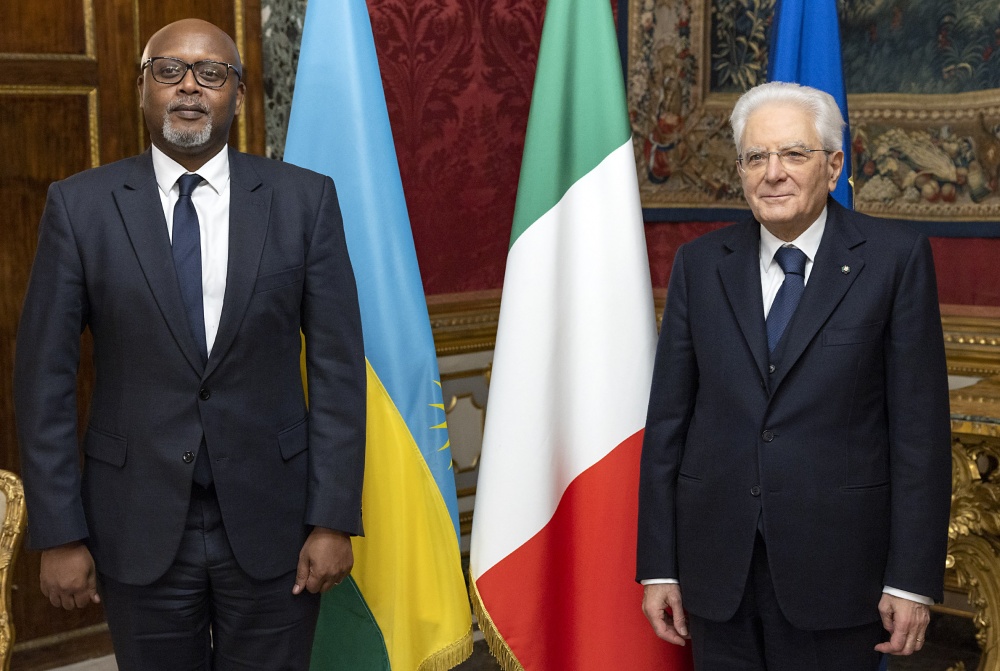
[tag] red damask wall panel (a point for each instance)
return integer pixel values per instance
(458, 77)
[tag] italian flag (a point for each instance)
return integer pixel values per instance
(554, 532)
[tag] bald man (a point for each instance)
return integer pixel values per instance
(212, 508)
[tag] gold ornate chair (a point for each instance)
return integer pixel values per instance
(13, 514)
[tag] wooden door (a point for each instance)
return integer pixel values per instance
(68, 102)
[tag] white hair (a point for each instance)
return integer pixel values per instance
(820, 105)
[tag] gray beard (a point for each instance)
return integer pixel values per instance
(186, 140)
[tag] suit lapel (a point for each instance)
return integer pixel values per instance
(249, 212)
(740, 274)
(835, 269)
(141, 210)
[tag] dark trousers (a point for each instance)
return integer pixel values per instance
(759, 638)
(205, 613)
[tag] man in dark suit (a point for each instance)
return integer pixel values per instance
(795, 473)
(212, 508)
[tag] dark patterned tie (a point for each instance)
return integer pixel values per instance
(793, 262)
(187, 260)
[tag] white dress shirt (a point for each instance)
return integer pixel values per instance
(211, 202)
(771, 277)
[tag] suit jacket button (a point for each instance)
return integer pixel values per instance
(768, 435)
(204, 394)
(188, 457)
(755, 490)
(770, 369)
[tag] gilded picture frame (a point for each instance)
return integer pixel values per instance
(923, 97)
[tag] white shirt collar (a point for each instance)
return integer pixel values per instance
(215, 171)
(808, 241)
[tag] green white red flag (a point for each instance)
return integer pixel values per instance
(553, 540)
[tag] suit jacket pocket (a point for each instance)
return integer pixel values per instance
(279, 279)
(106, 447)
(865, 487)
(294, 439)
(852, 335)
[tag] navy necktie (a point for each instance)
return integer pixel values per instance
(186, 246)
(793, 262)
(187, 260)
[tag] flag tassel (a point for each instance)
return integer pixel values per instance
(449, 657)
(494, 639)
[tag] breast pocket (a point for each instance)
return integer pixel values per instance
(852, 335)
(279, 279)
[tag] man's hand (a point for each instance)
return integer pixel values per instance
(907, 622)
(662, 607)
(325, 559)
(67, 576)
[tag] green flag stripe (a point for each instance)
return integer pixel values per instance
(351, 639)
(577, 113)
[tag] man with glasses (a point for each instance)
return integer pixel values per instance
(795, 475)
(211, 509)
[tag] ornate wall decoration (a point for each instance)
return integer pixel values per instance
(924, 97)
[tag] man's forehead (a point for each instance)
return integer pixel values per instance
(202, 38)
(780, 126)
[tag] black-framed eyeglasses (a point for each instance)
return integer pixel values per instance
(790, 158)
(210, 74)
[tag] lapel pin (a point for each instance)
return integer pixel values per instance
(845, 269)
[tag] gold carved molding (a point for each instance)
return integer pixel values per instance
(10, 540)
(974, 537)
(972, 340)
(465, 322)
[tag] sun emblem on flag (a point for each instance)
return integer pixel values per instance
(443, 426)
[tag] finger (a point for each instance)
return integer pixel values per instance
(54, 598)
(315, 582)
(67, 601)
(679, 617)
(90, 594)
(329, 584)
(894, 645)
(81, 599)
(656, 621)
(301, 575)
(888, 622)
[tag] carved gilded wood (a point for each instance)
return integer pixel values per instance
(10, 541)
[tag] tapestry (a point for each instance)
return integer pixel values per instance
(923, 81)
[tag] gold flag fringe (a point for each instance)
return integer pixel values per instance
(449, 657)
(498, 646)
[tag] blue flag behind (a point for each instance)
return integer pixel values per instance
(805, 49)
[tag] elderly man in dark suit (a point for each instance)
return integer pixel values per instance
(795, 473)
(212, 507)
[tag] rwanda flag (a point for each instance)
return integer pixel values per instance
(405, 608)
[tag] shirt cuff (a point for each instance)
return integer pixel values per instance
(919, 598)
(660, 581)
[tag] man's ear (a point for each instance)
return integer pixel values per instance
(836, 166)
(241, 91)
